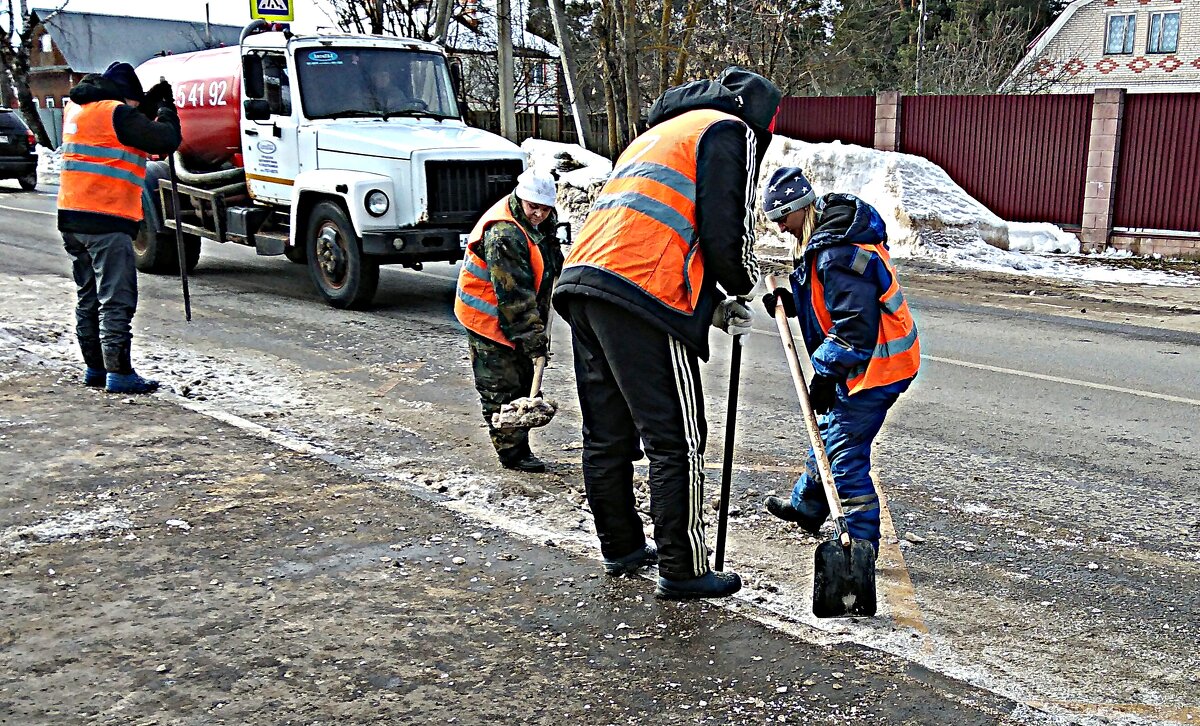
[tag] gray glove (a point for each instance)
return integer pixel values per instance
(733, 316)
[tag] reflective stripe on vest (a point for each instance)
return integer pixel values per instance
(99, 173)
(475, 303)
(642, 227)
(897, 354)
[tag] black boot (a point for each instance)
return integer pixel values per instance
(520, 458)
(121, 377)
(783, 509)
(714, 584)
(93, 358)
(643, 556)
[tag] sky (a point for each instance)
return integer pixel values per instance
(310, 14)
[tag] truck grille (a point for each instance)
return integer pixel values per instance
(461, 191)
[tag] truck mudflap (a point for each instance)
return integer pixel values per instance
(415, 245)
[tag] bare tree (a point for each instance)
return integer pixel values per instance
(16, 46)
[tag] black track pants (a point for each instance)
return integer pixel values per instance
(639, 385)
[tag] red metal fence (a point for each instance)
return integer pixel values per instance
(1024, 157)
(1158, 176)
(850, 119)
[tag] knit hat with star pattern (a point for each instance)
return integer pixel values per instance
(787, 191)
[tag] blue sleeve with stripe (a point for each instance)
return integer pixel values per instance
(853, 279)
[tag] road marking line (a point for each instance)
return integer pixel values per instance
(1068, 381)
(31, 211)
(386, 388)
(900, 593)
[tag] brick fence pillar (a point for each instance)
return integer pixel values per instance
(1104, 146)
(887, 121)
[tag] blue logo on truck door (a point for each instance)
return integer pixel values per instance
(266, 147)
(323, 58)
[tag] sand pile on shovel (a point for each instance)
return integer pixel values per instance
(528, 412)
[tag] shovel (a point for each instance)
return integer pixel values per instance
(843, 568)
(531, 411)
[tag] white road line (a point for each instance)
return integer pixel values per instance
(1068, 381)
(31, 211)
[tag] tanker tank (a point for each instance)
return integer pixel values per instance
(207, 86)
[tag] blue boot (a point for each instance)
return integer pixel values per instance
(94, 377)
(714, 584)
(129, 383)
(643, 556)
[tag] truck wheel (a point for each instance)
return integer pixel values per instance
(158, 253)
(335, 260)
(28, 182)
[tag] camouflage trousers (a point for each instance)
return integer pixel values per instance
(502, 375)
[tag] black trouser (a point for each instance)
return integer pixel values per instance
(106, 290)
(638, 384)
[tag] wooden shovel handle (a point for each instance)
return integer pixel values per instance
(539, 367)
(810, 416)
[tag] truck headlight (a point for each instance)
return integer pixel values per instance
(377, 203)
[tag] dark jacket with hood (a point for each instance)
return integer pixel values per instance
(853, 281)
(133, 128)
(727, 162)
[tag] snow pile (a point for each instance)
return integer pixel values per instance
(49, 165)
(926, 213)
(574, 165)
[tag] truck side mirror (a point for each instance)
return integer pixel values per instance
(252, 76)
(256, 109)
(456, 80)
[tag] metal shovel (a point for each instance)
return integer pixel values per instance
(843, 567)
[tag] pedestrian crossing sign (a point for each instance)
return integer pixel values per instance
(280, 10)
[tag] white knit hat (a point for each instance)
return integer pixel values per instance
(536, 187)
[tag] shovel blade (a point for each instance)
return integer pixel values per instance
(844, 579)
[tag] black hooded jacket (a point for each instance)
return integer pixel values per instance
(727, 162)
(133, 128)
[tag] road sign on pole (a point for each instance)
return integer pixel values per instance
(272, 10)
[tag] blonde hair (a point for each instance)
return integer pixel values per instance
(807, 227)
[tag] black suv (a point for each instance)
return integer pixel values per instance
(18, 155)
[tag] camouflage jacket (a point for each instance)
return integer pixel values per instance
(523, 313)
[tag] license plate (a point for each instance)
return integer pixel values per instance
(3, 139)
(462, 241)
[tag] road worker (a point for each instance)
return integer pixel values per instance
(503, 300)
(859, 333)
(105, 143)
(666, 246)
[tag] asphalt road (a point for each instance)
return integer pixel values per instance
(1042, 474)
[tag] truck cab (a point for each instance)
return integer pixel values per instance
(352, 149)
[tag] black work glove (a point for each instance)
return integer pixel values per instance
(822, 393)
(160, 94)
(780, 293)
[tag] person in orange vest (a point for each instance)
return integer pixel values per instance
(859, 333)
(106, 139)
(503, 300)
(667, 242)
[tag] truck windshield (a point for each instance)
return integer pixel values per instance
(367, 82)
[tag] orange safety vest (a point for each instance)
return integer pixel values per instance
(475, 303)
(642, 227)
(897, 354)
(99, 173)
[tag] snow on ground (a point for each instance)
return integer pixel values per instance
(49, 165)
(928, 216)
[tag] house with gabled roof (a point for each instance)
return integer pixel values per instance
(1145, 46)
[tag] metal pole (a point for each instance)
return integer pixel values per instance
(180, 250)
(735, 369)
(920, 43)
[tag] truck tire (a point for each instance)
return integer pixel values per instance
(28, 182)
(297, 253)
(158, 253)
(343, 276)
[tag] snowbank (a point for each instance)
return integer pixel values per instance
(575, 165)
(49, 165)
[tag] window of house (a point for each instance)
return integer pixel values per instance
(47, 43)
(63, 101)
(539, 74)
(49, 101)
(1119, 38)
(1164, 33)
(37, 102)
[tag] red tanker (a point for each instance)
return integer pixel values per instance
(207, 87)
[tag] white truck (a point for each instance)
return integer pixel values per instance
(342, 152)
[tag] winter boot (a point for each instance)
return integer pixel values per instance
(121, 377)
(714, 584)
(93, 358)
(520, 458)
(644, 556)
(783, 509)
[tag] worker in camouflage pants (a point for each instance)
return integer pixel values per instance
(503, 300)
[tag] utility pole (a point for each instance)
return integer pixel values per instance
(504, 54)
(583, 127)
(377, 19)
(441, 29)
(920, 44)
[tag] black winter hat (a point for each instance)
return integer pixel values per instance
(760, 97)
(787, 191)
(122, 76)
